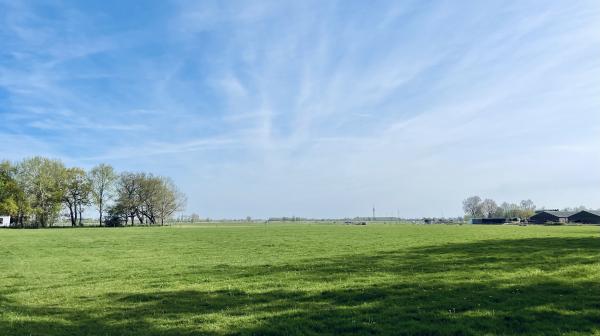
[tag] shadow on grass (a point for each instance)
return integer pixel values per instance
(526, 286)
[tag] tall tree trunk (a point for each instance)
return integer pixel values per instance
(100, 210)
(80, 215)
(71, 215)
(140, 218)
(74, 220)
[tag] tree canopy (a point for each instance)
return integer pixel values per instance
(475, 207)
(37, 191)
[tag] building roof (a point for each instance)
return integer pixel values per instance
(594, 212)
(559, 214)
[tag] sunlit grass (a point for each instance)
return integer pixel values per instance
(301, 279)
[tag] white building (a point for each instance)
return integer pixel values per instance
(4, 221)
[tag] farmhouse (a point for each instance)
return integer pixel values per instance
(586, 216)
(4, 221)
(551, 216)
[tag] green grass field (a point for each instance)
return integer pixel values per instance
(301, 279)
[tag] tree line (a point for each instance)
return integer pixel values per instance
(35, 191)
(476, 207)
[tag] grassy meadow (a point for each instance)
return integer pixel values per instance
(301, 279)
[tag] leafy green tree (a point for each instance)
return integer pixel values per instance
(42, 181)
(148, 195)
(168, 200)
(35, 189)
(488, 208)
(472, 206)
(510, 210)
(12, 196)
(149, 198)
(103, 181)
(8, 189)
(77, 190)
(527, 208)
(128, 200)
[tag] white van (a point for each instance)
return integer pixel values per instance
(4, 221)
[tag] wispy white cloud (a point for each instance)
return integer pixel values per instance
(319, 109)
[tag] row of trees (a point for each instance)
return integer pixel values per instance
(476, 207)
(35, 190)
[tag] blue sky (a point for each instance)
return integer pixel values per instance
(324, 108)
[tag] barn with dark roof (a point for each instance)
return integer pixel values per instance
(586, 216)
(551, 216)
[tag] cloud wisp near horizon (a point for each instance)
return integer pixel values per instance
(317, 109)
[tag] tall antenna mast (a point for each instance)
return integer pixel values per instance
(373, 212)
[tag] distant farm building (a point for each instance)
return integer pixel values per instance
(4, 221)
(488, 220)
(376, 219)
(586, 216)
(551, 216)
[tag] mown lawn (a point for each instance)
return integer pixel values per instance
(301, 279)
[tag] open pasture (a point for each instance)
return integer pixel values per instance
(301, 279)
